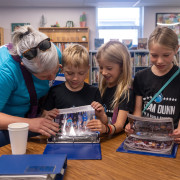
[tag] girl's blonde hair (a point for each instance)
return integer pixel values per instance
(75, 55)
(116, 52)
(165, 37)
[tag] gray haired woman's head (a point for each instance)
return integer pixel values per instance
(26, 39)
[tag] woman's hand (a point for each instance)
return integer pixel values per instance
(50, 114)
(43, 126)
(96, 125)
(128, 129)
(176, 135)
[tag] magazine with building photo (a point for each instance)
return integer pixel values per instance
(150, 135)
(73, 125)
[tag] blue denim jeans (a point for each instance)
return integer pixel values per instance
(4, 137)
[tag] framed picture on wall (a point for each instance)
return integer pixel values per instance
(171, 20)
(16, 25)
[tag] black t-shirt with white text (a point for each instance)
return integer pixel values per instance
(167, 104)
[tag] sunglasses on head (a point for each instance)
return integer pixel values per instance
(32, 52)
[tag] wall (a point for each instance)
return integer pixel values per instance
(150, 17)
(33, 16)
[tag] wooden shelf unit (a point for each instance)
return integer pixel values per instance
(1, 36)
(62, 36)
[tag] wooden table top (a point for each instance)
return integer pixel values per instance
(114, 165)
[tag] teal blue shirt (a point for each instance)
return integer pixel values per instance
(14, 96)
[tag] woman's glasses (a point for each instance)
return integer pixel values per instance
(32, 53)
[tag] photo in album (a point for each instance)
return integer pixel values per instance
(73, 125)
(150, 135)
(73, 121)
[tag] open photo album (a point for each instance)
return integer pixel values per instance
(73, 126)
(150, 135)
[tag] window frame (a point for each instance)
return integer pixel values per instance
(139, 28)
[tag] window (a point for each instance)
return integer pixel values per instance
(119, 23)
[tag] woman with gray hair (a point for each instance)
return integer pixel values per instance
(26, 67)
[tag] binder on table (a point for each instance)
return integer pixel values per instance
(172, 155)
(34, 166)
(74, 138)
(150, 137)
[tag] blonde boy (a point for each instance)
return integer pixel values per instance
(74, 91)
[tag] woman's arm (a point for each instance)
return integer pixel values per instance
(39, 125)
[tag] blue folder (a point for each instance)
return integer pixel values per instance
(34, 165)
(172, 155)
(75, 150)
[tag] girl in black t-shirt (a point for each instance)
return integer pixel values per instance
(163, 46)
(115, 81)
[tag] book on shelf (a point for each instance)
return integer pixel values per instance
(74, 138)
(95, 75)
(128, 43)
(98, 42)
(142, 43)
(62, 46)
(141, 59)
(33, 166)
(150, 135)
(94, 61)
(114, 39)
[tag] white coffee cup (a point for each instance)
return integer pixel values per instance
(18, 134)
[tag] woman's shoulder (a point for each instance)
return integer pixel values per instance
(8, 66)
(5, 57)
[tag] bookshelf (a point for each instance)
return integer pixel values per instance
(64, 36)
(94, 68)
(140, 60)
(1, 36)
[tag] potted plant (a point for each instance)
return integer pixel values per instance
(83, 38)
(83, 20)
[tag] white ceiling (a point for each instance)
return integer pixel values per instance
(87, 3)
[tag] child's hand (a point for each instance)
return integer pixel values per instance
(96, 125)
(50, 115)
(128, 129)
(176, 135)
(99, 109)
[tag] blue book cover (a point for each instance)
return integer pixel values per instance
(75, 150)
(98, 42)
(47, 164)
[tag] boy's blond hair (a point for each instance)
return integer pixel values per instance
(75, 55)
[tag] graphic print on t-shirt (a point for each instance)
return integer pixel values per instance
(160, 106)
